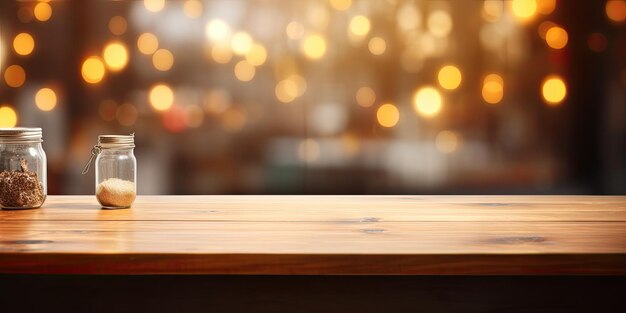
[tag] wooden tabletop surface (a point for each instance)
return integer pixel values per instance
(452, 235)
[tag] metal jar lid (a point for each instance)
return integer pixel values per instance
(18, 135)
(116, 141)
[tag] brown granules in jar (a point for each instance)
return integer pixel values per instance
(116, 193)
(19, 189)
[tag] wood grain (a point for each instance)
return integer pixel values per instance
(319, 235)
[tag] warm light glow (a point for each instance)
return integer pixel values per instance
(286, 91)
(241, 43)
(115, 56)
(341, 5)
(161, 97)
(616, 10)
(359, 25)
(427, 102)
(546, 7)
(377, 45)
(524, 9)
(46, 99)
(42, 11)
(234, 119)
(493, 9)
(8, 117)
(294, 30)
(553, 90)
(447, 141)
(154, 5)
(544, 27)
(365, 97)
(147, 43)
(493, 89)
(440, 23)
(217, 30)
(194, 116)
(257, 55)
(387, 115)
(93, 70)
(15, 76)
(309, 150)
(449, 77)
(23, 44)
(193, 8)
(314, 46)
(556, 37)
(126, 114)
(244, 71)
(117, 25)
(221, 53)
(163, 60)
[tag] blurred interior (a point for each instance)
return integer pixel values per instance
(325, 96)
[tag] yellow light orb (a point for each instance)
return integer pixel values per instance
(359, 25)
(493, 88)
(217, 30)
(449, 77)
(193, 9)
(440, 23)
(241, 43)
(257, 55)
(377, 45)
(117, 25)
(427, 102)
(553, 90)
(42, 11)
(493, 9)
(8, 117)
(23, 44)
(524, 9)
(286, 91)
(314, 47)
(365, 97)
(294, 30)
(163, 60)
(14, 76)
(616, 10)
(154, 5)
(93, 70)
(387, 115)
(115, 56)
(161, 97)
(46, 99)
(546, 7)
(341, 5)
(221, 53)
(447, 141)
(147, 43)
(556, 37)
(244, 71)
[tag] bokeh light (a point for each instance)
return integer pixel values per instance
(147, 43)
(427, 102)
(553, 90)
(23, 44)
(546, 7)
(286, 91)
(221, 53)
(46, 99)
(447, 141)
(543, 28)
(377, 45)
(14, 76)
(154, 5)
(493, 88)
(387, 115)
(359, 26)
(439, 23)
(616, 10)
(257, 55)
(449, 77)
(234, 119)
(161, 97)
(217, 30)
(294, 30)
(493, 9)
(241, 43)
(365, 97)
(118, 25)
(163, 60)
(244, 71)
(194, 116)
(42, 11)
(115, 56)
(524, 9)
(341, 5)
(126, 114)
(8, 117)
(93, 70)
(556, 37)
(314, 46)
(192, 9)
(174, 119)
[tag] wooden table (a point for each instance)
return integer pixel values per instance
(452, 235)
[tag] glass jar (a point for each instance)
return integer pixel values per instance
(22, 168)
(116, 171)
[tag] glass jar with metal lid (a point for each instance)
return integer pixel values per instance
(22, 168)
(116, 171)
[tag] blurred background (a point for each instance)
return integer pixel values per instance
(325, 96)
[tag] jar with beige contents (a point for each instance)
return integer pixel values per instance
(116, 173)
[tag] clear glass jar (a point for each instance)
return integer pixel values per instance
(116, 171)
(22, 168)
